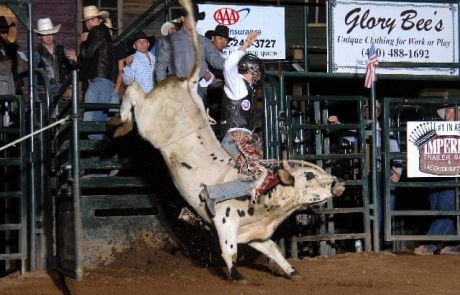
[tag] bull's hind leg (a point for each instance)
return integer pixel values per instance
(271, 250)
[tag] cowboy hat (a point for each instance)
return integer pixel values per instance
(196, 12)
(45, 27)
(4, 23)
(168, 25)
(377, 104)
(137, 36)
(109, 24)
(442, 111)
(220, 30)
(92, 11)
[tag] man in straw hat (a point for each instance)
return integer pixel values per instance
(12, 61)
(442, 199)
(170, 27)
(176, 51)
(51, 56)
(96, 63)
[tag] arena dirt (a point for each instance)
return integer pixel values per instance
(151, 271)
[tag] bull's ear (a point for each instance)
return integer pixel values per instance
(124, 129)
(285, 177)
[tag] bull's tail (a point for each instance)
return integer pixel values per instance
(194, 74)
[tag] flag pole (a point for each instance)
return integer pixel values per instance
(372, 105)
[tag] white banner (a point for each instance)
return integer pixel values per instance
(433, 149)
(241, 20)
(400, 31)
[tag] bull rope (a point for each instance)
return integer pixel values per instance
(34, 133)
(298, 163)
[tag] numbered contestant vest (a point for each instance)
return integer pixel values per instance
(239, 113)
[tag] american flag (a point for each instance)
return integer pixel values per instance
(370, 68)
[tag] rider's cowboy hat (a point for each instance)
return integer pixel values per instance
(45, 27)
(196, 12)
(109, 24)
(168, 25)
(220, 30)
(92, 11)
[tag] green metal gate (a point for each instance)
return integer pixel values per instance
(297, 128)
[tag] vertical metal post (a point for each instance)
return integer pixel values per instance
(305, 51)
(32, 205)
(373, 120)
(78, 228)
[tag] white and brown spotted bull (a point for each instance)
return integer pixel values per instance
(172, 118)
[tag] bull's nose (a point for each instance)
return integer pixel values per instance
(338, 187)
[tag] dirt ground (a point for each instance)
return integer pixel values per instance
(158, 272)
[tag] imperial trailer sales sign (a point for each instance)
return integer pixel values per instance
(433, 149)
(400, 31)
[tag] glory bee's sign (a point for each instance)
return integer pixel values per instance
(400, 32)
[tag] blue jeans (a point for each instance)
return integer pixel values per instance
(441, 199)
(228, 144)
(115, 99)
(100, 90)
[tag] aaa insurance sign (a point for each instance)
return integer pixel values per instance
(241, 20)
(400, 31)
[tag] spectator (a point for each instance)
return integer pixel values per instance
(176, 56)
(140, 65)
(96, 63)
(442, 199)
(12, 61)
(394, 174)
(51, 57)
(170, 27)
(119, 56)
(243, 74)
(220, 38)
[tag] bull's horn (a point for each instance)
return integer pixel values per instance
(124, 129)
(287, 167)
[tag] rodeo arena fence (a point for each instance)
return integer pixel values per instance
(53, 216)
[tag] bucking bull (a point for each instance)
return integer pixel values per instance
(173, 119)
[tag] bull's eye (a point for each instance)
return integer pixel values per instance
(310, 175)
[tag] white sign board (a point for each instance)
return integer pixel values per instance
(241, 20)
(433, 149)
(400, 31)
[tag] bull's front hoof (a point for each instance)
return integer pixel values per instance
(295, 275)
(243, 282)
(237, 277)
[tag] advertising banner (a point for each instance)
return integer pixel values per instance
(433, 149)
(400, 32)
(241, 20)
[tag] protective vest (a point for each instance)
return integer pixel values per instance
(54, 66)
(239, 113)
